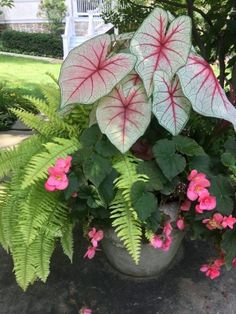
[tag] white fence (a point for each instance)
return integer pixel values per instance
(83, 6)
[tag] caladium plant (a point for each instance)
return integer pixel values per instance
(174, 78)
(160, 73)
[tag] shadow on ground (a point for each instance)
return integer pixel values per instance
(182, 290)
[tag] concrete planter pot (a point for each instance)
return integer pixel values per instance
(153, 262)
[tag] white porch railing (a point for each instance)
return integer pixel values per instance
(84, 6)
(69, 32)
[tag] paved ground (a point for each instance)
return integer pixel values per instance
(182, 290)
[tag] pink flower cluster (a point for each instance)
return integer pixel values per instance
(85, 310)
(164, 240)
(212, 270)
(197, 190)
(219, 221)
(95, 236)
(57, 175)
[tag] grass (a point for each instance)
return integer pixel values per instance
(27, 75)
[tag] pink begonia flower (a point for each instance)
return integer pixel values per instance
(234, 262)
(167, 229)
(211, 271)
(90, 252)
(167, 243)
(195, 190)
(85, 310)
(156, 241)
(56, 181)
(63, 164)
(185, 206)
(196, 177)
(180, 223)
(219, 262)
(164, 240)
(214, 222)
(228, 222)
(207, 201)
(95, 236)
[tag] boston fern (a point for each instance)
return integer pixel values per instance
(122, 140)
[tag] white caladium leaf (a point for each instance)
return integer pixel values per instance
(202, 88)
(131, 80)
(124, 118)
(160, 49)
(170, 106)
(88, 74)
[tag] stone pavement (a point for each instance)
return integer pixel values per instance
(181, 290)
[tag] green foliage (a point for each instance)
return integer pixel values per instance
(125, 220)
(32, 219)
(229, 246)
(144, 202)
(188, 146)
(9, 99)
(167, 159)
(41, 44)
(7, 3)
(55, 12)
(96, 168)
(221, 188)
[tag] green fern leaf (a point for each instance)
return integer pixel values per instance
(67, 241)
(13, 158)
(125, 218)
(39, 164)
(23, 262)
(127, 227)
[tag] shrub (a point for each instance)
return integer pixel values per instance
(55, 12)
(41, 44)
(10, 98)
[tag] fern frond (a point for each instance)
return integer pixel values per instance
(36, 211)
(125, 218)
(14, 157)
(127, 226)
(67, 241)
(34, 122)
(44, 243)
(39, 164)
(42, 249)
(23, 262)
(57, 124)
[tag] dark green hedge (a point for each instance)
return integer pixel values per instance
(40, 44)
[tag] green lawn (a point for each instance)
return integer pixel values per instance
(25, 74)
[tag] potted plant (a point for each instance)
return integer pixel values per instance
(134, 145)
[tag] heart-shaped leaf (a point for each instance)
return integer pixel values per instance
(87, 74)
(170, 106)
(157, 49)
(124, 118)
(167, 159)
(202, 88)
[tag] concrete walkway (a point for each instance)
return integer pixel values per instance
(14, 136)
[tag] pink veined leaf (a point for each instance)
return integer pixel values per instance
(131, 80)
(202, 88)
(170, 106)
(159, 49)
(124, 118)
(88, 74)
